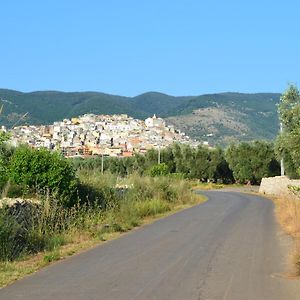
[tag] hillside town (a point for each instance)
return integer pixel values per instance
(109, 135)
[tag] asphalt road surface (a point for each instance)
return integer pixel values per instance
(227, 248)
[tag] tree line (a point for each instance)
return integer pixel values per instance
(247, 162)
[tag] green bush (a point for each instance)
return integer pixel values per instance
(159, 170)
(44, 172)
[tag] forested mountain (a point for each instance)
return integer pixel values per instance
(229, 117)
(219, 118)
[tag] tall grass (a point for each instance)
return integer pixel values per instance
(28, 228)
(108, 204)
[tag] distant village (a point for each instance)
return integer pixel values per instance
(109, 135)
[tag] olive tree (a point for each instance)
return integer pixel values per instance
(288, 142)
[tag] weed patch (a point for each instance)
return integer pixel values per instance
(53, 256)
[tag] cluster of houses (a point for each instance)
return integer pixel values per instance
(110, 135)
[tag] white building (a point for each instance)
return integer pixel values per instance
(155, 122)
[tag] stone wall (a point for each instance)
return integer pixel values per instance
(277, 185)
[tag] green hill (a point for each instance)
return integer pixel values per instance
(218, 118)
(229, 117)
(158, 103)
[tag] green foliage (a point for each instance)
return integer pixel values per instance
(13, 190)
(142, 209)
(44, 172)
(201, 163)
(53, 256)
(159, 170)
(250, 162)
(284, 148)
(288, 142)
(289, 108)
(5, 155)
(96, 188)
(243, 162)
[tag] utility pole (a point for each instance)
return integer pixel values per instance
(158, 160)
(102, 163)
(281, 161)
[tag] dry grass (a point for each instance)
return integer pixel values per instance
(288, 214)
(196, 185)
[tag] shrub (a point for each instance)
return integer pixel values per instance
(159, 170)
(44, 171)
(97, 189)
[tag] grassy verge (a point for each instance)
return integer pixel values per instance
(287, 210)
(207, 186)
(215, 186)
(55, 233)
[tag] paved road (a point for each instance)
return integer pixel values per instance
(227, 248)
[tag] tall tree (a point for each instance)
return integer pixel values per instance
(252, 161)
(288, 142)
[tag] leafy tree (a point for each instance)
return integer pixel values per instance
(250, 162)
(289, 109)
(188, 162)
(151, 158)
(167, 157)
(288, 142)
(219, 168)
(182, 158)
(200, 164)
(139, 162)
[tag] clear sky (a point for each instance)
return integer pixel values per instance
(128, 47)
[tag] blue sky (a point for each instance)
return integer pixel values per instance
(186, 47)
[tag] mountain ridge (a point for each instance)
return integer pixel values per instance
(223, 116)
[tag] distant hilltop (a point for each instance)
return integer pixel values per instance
(110, 135)
(218, 118)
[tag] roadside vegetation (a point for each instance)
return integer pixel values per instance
(243, 163)
(287, 147)
(52, 223)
